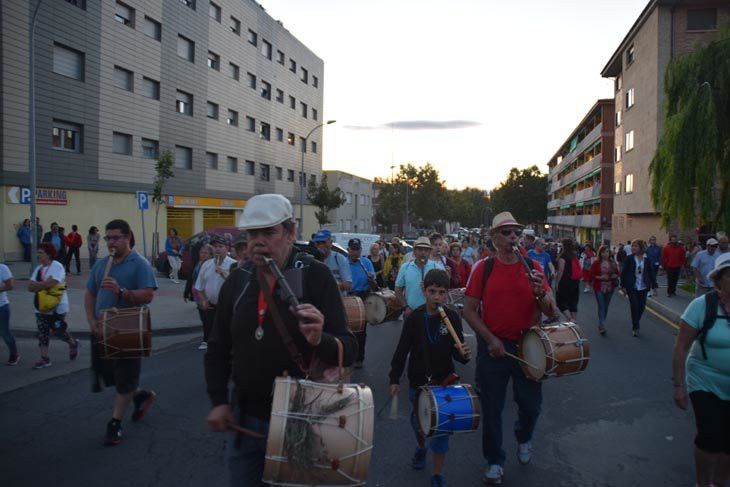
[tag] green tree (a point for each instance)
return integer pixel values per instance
(324, 199)
(690, 172)
(163, 172)
(524, 194)
(467, 206)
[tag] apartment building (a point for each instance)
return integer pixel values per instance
(221, 84)
(356, 215)
(580, 192)
(665, 29)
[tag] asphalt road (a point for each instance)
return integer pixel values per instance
(613, 425)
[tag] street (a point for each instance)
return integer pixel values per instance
(613, 425)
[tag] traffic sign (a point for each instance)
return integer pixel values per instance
(143, 200)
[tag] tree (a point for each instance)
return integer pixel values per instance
(524, 194)
(163, 172)
(690, 172)
(324, 199)
(469, 206)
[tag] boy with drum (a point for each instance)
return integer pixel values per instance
(429, 364)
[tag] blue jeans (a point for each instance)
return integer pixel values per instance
(637, 301)
(438, 443)
(493, 374)
(603, 300)
(5, 329)
(245, 455)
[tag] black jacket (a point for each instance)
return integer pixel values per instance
(61, 254)
(628, 274)
(234, 352)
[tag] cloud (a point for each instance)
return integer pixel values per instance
(419, 125)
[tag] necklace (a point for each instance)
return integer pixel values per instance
(440, 331)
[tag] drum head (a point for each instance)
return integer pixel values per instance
(533, 351)
(375, 308)
(425, 411)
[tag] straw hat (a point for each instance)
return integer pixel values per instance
(504, 219)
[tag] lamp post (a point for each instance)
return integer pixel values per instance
(302, 181)
(31, 138)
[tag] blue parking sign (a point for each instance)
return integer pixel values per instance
(143, 200)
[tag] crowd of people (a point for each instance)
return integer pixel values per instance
(66, 245)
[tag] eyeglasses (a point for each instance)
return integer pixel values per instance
(114, 238)
(507, 232)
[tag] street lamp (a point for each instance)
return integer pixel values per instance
(31, 138)
(302, 181)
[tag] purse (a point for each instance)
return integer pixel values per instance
(48, 299)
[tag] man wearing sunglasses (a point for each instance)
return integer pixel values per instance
(702, 265)
(512, 301)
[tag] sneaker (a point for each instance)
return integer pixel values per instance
(42, 363)
(601, 329)
(437, 481)
(13, 360)
(494, 474)
(419, 459)
(635, 332)
(358, 364)
(113, 433)
(73, 350)
(524, 453)
(142, 402)
(203, 346)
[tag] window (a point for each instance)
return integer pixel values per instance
(235, 26)
(184, 103)
(253, 38)
(265, 90)
(232, 163)
(188, 3)
(68, 62)
(290, 138)
(233, 118)
(314, 114)
(265, 172)
(251, 80)
(123, 78)
(266, 49)
(304, 109)
(250, 124)
(292, 65)
(265, 131)
(279, 173)
(314, 147)
(629, 185)
(629, 140)
(78, 3)
(279, 134)
(290, 175)
(152, 28)
(214, 12)
(150, 148)
(617, 187)
(66, 136)
(302, 144)
(183, 157)
(702, 19)
(122, 143)
(313, 179)
(280, 95)
(630, 55)
(234, 71)
(302, 179)
(618, 83)
(315, 81)
(630, 99)
(250, 168)
(214, 61)
(292, 102)
(212, 110)
(348, 198)
(617, 153)
(124, 14)
(280, 57)
(185, 48)
(305, 76)
(618, 118)
(211, 160)
(150, 88)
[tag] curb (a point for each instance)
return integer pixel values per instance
(174, 331)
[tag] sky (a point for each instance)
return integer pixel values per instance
(475, 87)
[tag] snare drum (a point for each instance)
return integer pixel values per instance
(355, 311)
(319, 434)
(451, 409)
(125, 333)
(382, 306)
(553, 351)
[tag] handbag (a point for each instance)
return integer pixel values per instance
(48, 299)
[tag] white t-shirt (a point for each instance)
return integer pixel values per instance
(5, 274)
(210, 281)
(56, 272)
(639, 270)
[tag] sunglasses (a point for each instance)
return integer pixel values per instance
(508, 232)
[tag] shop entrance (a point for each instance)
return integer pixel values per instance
(181, 219)
(218, 218)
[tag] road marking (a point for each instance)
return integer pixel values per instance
(673, 325)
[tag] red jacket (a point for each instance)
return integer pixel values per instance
(674, 256)
(596, 271)
(73, 239)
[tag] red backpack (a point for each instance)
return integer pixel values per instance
(576, 273)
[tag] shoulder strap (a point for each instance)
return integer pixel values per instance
(488, 266)
(711, 301)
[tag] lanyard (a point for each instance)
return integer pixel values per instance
(436, 336)
(263, 306)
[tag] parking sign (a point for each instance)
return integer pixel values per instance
(143, 200)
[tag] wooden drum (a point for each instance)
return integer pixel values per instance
(553, 351)
(355, 311)
(125, 333)
(382, 306)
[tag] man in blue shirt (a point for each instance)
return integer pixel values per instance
(129, 283)
(362, 272)
(411, 274)
(539, 254)
(334, 260)
(654, 253)
(702, 265)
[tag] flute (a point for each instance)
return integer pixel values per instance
(288, 294)
(109, 263)
(450, 327)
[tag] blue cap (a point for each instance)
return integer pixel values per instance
(322, 236)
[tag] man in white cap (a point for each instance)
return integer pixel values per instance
(411, 274)
(512, 301)
(254, 344)
(702, 265)
(213, 273)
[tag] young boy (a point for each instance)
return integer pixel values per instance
(426, 339)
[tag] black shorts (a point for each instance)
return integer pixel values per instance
(712, 417)
(122, 373)
(567, 295)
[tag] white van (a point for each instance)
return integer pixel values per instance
(367, 239)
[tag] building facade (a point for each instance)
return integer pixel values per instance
(356, 215)
(580, 194)
(665, 29)
(222, 85)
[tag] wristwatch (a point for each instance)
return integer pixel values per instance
(121, 292)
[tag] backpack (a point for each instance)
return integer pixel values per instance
(576, 272)
(712, 299)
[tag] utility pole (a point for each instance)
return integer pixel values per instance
(31, 138)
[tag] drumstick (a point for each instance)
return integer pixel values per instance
(394, 408)
(521, 360)
(243, 430)
(451, 329)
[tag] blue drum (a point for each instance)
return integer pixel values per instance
(449, 409)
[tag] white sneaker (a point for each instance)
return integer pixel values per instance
(493, 475)
(203, 346)
(524, 453)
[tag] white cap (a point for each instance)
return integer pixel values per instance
(721, 263)
(711, 241)
(264, 211)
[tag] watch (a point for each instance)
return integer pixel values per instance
(121, 291)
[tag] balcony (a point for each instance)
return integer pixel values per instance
(588, 193)
(569, 198)
(582, 145)
(554, 203)
(586, 221)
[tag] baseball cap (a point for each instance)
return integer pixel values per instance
(214, 239)
(265, 211)
(354, 243)
(322, 236)
(711, 241)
